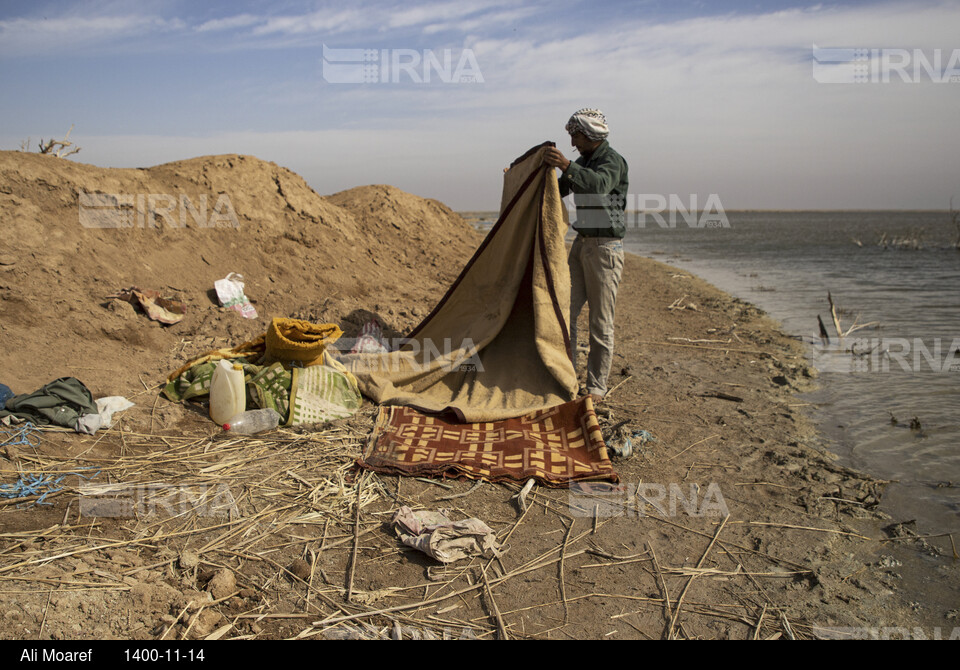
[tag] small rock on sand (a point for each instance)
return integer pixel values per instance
(222, 584)
(189, 560)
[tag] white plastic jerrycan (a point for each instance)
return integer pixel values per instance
(228, 395)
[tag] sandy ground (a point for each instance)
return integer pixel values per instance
(731, 520)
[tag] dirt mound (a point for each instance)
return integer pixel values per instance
(372, 250)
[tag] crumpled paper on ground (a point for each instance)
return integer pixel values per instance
(447, 541)
(231, 295)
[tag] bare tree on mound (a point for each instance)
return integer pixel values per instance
(48, 147)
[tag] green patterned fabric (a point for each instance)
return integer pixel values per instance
(315, 394)
(267, 386)
(322, 394)
(193, 383)
(270, 388)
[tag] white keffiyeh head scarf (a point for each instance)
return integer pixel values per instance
(591, 122)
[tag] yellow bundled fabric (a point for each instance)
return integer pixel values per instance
(298, 343)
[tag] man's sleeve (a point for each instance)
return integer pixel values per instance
(601, 179)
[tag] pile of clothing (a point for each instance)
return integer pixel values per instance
(290, 369)
(64, 402)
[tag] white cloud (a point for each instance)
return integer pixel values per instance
(229, 23)
(59, 34)
(406, 15)
(323, 21)
(703, 105)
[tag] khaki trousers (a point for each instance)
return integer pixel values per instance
(596, 264)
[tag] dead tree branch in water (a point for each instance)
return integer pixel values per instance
(912, 240)
(841, 333)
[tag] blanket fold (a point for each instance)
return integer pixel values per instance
(496, 346)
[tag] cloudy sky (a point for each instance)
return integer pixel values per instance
(726, 98)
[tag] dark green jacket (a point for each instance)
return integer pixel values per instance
(599, 185)
(61, 402)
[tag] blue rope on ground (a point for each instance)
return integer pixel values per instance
(41, 485)
(33, 485)
(27, 434)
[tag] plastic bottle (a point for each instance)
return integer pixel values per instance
(253, 421)
(228, 395)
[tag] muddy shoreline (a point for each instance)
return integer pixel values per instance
(802, 553)
(734, 520)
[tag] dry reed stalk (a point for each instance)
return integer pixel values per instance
(753, 352)
(723, 545)
(618, 596)
(787, 629)
(613, 563)
(667, 607)
(756, 630)
(356, 544)
(437, 599)
(501, 627)
(170, 627)
(676, 611)
(473, 488)
(563, 586)
(610, 392)
(810, 528)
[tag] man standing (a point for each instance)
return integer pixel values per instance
(598, 180)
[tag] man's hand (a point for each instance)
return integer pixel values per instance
(554, 158)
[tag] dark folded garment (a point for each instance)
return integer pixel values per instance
(61, 403)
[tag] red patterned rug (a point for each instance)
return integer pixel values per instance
(557, 446)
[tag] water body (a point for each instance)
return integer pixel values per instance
(785, 263)
(909, 368)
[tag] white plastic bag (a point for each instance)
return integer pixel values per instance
(230, 293)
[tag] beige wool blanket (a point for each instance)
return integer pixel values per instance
(496, 345)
